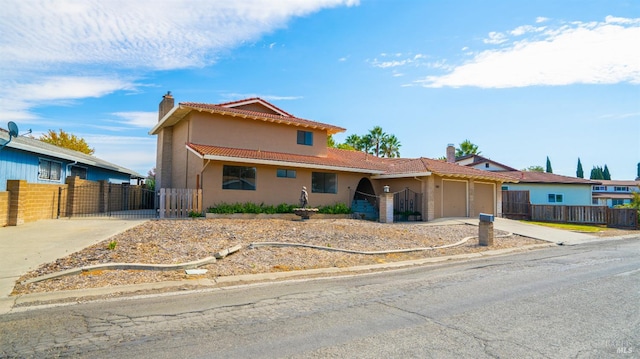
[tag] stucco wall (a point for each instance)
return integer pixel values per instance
(238, 132)
(179, 157)
(273, 190)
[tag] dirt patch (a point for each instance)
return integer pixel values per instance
(179, 241)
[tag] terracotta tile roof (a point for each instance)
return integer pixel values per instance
(254, 100)
(335, 158)
(544, 177)
(285, 118)
(355, 161)
(445, 169)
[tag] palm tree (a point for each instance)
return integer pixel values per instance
(467, 148)
(354, 141)
(390, 147)
(377, 139)
(366, 142)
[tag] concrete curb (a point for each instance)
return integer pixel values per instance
(32, 300)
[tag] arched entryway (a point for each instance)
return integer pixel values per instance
(365, 202)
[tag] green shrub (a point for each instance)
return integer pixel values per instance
(248, 207)
(285, 208)
(338, 208)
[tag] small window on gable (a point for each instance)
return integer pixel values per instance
(305, 138)
(486, 165)
(49, 170)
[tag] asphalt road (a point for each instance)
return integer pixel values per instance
(564, 302)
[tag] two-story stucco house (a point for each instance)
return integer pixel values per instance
(252, 151)
(613, 193)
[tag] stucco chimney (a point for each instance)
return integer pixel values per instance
(165, 105)
(451, 153)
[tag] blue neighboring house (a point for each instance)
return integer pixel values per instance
(544, 188)
(25, 158)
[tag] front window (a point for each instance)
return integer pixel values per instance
(621, 189)
(599, 188)
(555, 198)
(322, 182)
(237, 177)
(49, 170)
(305, 138)
(79, 172)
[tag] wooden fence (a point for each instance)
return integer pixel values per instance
(179, 202)
(612, 217)
(516, 204)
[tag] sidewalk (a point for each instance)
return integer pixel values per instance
(27, 246)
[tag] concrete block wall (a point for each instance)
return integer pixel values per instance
(4, 208)
(84, 196)
(29, 202)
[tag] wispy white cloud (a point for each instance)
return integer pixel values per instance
(576, 53)
(17, 98)
(620, 116)
(137, 118)
(398, 60)
(495, 38)
(40, 39)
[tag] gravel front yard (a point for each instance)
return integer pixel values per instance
(179, 241)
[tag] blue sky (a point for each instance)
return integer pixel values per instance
(523, 80)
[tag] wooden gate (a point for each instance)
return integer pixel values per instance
(516, 205)
(179, 202)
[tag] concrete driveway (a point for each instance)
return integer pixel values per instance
(25, 247)
(543, 233)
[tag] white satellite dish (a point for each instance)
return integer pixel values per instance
(13, 129)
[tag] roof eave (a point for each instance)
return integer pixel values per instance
(172, 117)
(284, 163)
(401, 175)
(70, 157)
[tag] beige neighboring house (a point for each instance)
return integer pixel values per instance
(252, 151)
